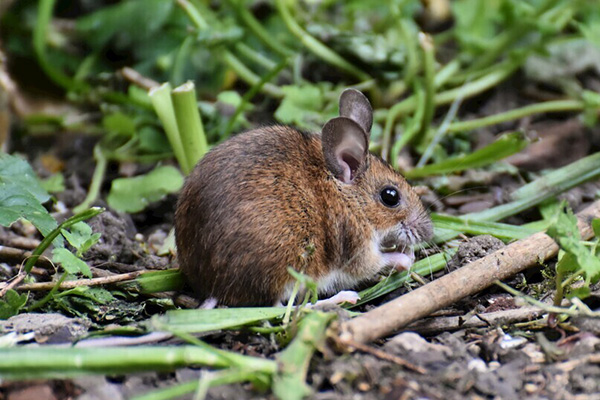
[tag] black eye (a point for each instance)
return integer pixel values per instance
(390, 196)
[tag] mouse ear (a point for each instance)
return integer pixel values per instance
(354, 105)
(345, 147)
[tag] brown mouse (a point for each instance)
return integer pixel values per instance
(276, 197)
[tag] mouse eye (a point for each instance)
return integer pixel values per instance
(390, 196)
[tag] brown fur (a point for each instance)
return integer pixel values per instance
(265, 200)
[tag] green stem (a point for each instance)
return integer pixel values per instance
(20, 362)
(254, 56)
(189, 123)
(413, 127)
(315, 46)
(539, 108)
(471, 89)
(211, 379)
(293, 362)
(163, 106)
(248, 76)
(40, 34)
(558, 281)
(256, 28)
(506, 38)
(232, 61)
(50, 295)
(429, 71)
(97, 179)
(252, 92)
(424, 267)
(47, 241)
(412, 56)
(182, 57)
(193, 14)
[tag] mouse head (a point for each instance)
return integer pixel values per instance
(394, 211)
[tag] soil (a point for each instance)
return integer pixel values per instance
(496, 360)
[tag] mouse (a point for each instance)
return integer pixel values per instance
(277, 197)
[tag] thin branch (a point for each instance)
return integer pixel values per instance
(81, 282)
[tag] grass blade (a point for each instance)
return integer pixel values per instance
(505, 146)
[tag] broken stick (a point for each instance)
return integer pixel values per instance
(468, 280)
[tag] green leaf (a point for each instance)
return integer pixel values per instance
(596, 227)
(21, 195)
(125, 22)
(97, 294)
(12, 303)
(505, 146)
(565, 232)
(81, 237)
(155, 281)
(465, 225)
(134, 194)
(70, 263)
(581, 292)
(591, 31)
(567, 263)
(119, 123)
(194, 321)
(54, 183)
(302, 106)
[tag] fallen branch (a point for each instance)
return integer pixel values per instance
(382, 355)
(80, 282)
(496, 318)
(468, 280)
(15, 281)
(17, 256)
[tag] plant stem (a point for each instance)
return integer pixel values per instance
(163, 106)
(45, 243)
(254, 56)
(315, 46)
(40, 34)
(429, 71)
(23, 362)
(256, 28)
(231, 60)
(539, 108)
(497, 75)
(248, 76)
(506, 38)
(97, 179)
(211, 379)
(412, 127)
(48, 296)
(189, 123)
(293, 362)
(252, 92)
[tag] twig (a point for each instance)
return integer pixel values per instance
(382, 355)
(81, 282)
(468, 280)
(112, 341)
(570, 365)
(444, 324)
(21, 242)
(17, 279)
(17, 256)
(140, 80)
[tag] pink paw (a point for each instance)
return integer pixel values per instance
(345, 296)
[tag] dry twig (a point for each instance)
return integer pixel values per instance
(81, 282)
(382, 355)
(468, 280)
